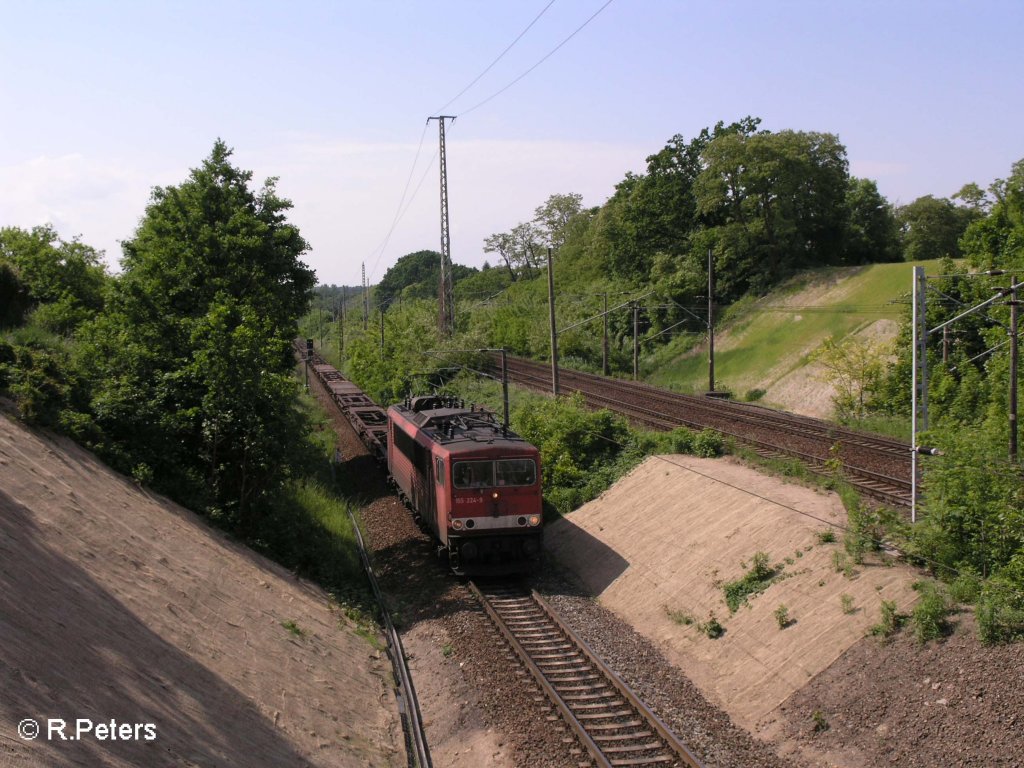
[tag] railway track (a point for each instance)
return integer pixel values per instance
(606, 717)
(878, 466)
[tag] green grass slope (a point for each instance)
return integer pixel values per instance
(766, 344)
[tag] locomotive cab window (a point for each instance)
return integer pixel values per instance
(474, 474)
(439, 470)
(515, 472)
(489, 474)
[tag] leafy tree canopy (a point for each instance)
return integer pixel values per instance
(191, 363)
(63, 280)
(931, 228)
(415, 276)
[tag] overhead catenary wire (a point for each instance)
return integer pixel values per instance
(544, 58)
(500, 56)
(399, 212)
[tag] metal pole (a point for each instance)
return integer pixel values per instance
(919, 382)
(382, 333)
(341, 326)
(711, 323)
(636, 342)
(366, 300)
(504, 385)
(945, 345)
(554, 334)
(1013, 370)
(604, 342)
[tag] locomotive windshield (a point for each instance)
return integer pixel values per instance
(488, 474)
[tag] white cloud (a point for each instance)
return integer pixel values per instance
(345, 194)
(78, 195)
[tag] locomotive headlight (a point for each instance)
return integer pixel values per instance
(534, 519)
(494, 495)
(457, 525)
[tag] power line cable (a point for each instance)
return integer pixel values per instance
(499, 58)
(541, 61)
(398, 211)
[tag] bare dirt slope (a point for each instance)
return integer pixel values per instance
(117, 605)
(662, 542)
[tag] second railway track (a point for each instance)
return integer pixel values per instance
(609, 720)
(878, 466)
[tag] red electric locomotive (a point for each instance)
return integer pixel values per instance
(473, 482)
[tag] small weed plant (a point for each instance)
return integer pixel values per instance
(838, 561)
(827, 536)
(846, 601)
(757, 579)
(292, 627)
(890, 620)
(712, 627)
(819, 721)
(679, 617)
(782, 616)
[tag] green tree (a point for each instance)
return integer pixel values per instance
(997, 239)
(855, 368)
(63, 280)
(415, 276)
(930, 228)
(191, 362)
(872, 232)
(556, 216)
(775, 203)
(521, 249)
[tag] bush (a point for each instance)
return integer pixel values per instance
(1000, 612)
(753, 395)
(966, 588)
(708, 444)
(782, 616)
(712, 627)
(929, 615)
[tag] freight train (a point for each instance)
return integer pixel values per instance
(469, 480)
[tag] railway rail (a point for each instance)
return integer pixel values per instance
(878, 466)
(607, 718)
(370, 424)
(611, 725)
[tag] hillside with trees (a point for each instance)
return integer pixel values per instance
(768, 206)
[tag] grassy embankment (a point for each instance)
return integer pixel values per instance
(758, 342)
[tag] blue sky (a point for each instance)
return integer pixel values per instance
(104, 100)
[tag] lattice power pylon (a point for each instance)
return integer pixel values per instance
(446, 301)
